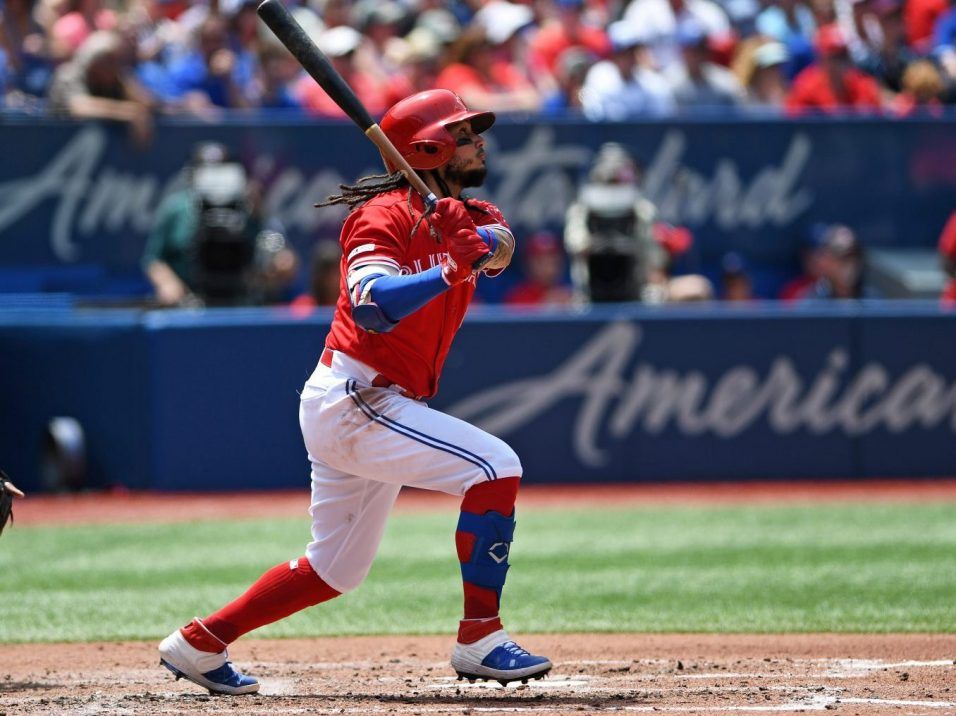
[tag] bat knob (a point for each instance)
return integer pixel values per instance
(431, 201)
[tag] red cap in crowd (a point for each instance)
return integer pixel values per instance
(541, 243)
(830, 41)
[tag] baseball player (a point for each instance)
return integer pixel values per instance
(407, 280)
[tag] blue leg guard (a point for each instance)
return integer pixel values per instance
(488, 564)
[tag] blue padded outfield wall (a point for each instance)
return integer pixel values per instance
(208, 400)
(76, 201)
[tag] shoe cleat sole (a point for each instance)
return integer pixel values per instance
(176, 672)
(471, 678)
(180, 675)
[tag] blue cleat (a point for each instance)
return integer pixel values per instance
(212, 671)
(497, 658)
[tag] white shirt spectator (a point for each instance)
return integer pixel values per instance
(717, 87)
(658, 19)
(607, 95)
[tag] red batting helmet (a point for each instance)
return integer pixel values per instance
(417, 126)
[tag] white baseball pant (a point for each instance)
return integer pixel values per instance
(364, 443)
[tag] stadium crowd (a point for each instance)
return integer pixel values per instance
(130, 60)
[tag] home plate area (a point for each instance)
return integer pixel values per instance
(621, 673)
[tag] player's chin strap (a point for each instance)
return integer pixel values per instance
(484, 562)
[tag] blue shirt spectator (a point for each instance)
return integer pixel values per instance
(790, 22)
(224, 76)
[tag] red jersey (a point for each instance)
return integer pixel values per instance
(812, 90)
(919, 17)
(412, 354)
(316, 101)
(503, 77)
(553, 39)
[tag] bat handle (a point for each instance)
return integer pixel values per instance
(394, 158)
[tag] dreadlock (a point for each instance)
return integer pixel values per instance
(370, 186)
(364, 189)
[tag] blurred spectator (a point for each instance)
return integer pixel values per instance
(759, 67)
(335, 13)
(626, 85)
(25, 64)
(947, 255)
(567, 29)
(380, 23)
(859, 25)
(735, 281)
(340, 44)
(609, 233)
(546, 57)
(833, 84)
(324, 277)
(485, 75)
(209, 243)
(98, 83)
(824, 13)
(158, 32)
(944, 41)
(416, 57)
(808, 254)
(792, 23)
(689, 287)
(676, 241)
(441, 22)
(213, 74)
(544, 265)
(699, 83)
(82, 19)
(922, 91)
(888, 61)
(571, 71)
(278, 71)
(660, 20)
(243, 24)
(839, 264)
(920, 18)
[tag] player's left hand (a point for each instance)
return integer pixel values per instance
(451, 216)
(481, 211)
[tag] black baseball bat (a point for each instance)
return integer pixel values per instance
(314, 61)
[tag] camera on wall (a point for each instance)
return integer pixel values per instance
(223, 250)
(612, 259)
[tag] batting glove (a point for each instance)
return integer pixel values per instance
(482, 211)
(467, 251)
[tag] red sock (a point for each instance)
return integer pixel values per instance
(285, 589)
(497, 495)
(481, 604)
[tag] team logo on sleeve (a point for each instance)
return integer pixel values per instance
(364, 248)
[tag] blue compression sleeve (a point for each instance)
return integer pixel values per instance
(489, 236)
(400, 296)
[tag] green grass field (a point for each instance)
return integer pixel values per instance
(801, 568)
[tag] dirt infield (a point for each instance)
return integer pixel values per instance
(673, 674)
